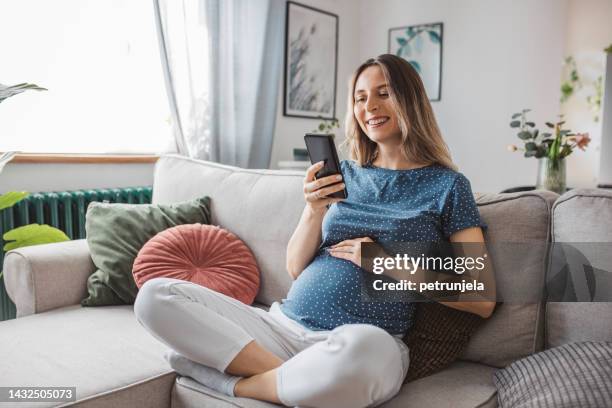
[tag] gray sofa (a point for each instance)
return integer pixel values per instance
(114, 362)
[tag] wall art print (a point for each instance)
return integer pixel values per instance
(311, 59)
(421, 46)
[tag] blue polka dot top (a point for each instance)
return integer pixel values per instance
(427, 204)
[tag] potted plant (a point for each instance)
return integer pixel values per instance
(32, 234)
(327, 126)
(551, 148)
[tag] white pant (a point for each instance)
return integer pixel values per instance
(353, 365)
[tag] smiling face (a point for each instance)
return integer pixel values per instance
(388, 111)
(373, 107)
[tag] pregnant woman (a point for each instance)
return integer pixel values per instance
(323, 346)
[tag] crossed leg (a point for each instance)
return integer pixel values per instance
(258, 367)
(217, 331)
(355, 366)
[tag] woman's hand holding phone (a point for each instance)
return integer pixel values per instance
(317, 190)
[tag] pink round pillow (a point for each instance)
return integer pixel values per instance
(204, 254)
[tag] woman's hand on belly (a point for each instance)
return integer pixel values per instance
(349, 249)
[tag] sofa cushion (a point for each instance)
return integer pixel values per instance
(582, 216)
(102, 351)
(437, 338)
(515, 328)
(462, 385)
(262, 207)
(115, 234)
(572, 375)
(203, 254)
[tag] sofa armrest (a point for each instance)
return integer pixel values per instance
(45, 277)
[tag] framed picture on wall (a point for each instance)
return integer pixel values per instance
(311, 60)
(421, 46)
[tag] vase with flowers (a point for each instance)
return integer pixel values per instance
(551, 148)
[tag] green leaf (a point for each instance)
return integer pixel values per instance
(567, 89)
(515, 123)
(434, 37)
(526, 110)
(530, 146)
(8, 91)
(407, 50)
(564, 132)
(524, 135)
(535, 133)
(530, 153)
(11, 198)
(322, 126)
(566, 150)
(550, 125)
(574, 75)
(541, 151)
(401, 41)
(530, 124)
(546, 135)
(33, 234)
(516, 115)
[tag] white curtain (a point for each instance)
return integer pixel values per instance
(222, 61)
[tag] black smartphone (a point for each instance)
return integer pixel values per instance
(322, 148)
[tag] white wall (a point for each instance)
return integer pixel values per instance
(589, 31)
(290, 131)
(498, 57)
(64, 177)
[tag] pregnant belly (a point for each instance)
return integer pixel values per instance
(328, 293)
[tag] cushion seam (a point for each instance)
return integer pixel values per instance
(562, 200)
(502, 199)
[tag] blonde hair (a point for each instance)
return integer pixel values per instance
(422, 140)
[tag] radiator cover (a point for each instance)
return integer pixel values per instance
(63, 210)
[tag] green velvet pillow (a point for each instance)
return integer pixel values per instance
(115, 234)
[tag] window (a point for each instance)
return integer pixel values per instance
(99, 60)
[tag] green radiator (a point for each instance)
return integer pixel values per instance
(63, 210)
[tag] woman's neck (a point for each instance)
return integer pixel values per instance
(394, 159)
